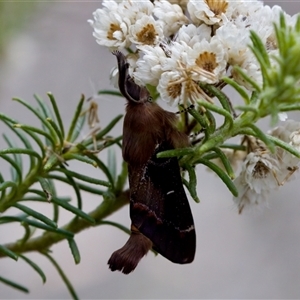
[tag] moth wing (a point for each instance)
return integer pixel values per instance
(159, 207)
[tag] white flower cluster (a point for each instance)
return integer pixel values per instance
(175, 45)
(263, 172)
(180, 45)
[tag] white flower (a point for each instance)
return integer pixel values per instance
(170, 16)
(112, 23)
(110, 27)
(146, 31)
(191, 34)
(149, 67)
(283, 132)
(137, 8)
(251, 67)
(177, 81)
(289, 132)
(178, 86)
(256, 180)
(247, 199)
(244, 8)
(208, 56)
(211, 12)
(181, 3)
(235, 40)
(201, 11)
(170, 87)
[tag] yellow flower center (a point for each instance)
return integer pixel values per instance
(207, 61)
(174, 89)
(112, 28)
(217, 6)
(147, 35)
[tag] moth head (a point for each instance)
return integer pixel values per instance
(128, 88)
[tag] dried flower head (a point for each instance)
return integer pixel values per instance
(256, 180)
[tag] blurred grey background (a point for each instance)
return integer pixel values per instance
(238, 256)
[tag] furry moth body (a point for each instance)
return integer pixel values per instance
(159, 210)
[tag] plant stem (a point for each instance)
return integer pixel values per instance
(46, 240)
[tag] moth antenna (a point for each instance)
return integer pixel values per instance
(127, 258)
(186, 109)
(196, 133)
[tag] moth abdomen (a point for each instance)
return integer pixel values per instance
(127, 258)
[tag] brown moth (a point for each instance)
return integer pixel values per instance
(159, 210)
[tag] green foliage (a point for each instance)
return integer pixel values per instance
(49, 149)
(51, 146)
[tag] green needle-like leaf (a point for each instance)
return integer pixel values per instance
(45, 111)
(15, 166)
(83, 187)
(241, 90)
(10, 219)
(37, 140)
(74, 210)
(225, 161)
(39, 115)
(74, 250)
(224, 177)
(70, 135)
(261, 54)
(52, 161)
(63, 276)
(40, 225)
(47, 188)
(198, 117)
(117, 225)
(78, 128)
(222, 97)
(218, 110)
(83, 177)
(176, 152)
(57, 113)
(192, 185)
(24, 140)
(8, 252)
(284, 145)
(263, 137)
(74, 184)
(4, 117)
(14, 285)
(17, 157)
(7, 184)
(27, 234)
(111, 163)
(35, 214)
(50, 138)
(57, 131)
(35, 267)
(212, 121)
(80, 157)
(103, 132)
